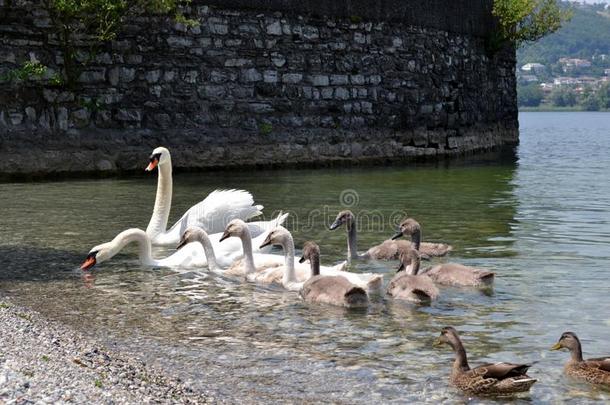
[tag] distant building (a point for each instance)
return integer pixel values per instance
(533, 67)
(607, 72)
(602, 56)
(546, 87)
(565, 81)
(571, 63)
(528, 78)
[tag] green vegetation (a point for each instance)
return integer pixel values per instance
(4, 305)
(564, 98)
(523, 21)
(585, 35)
(24, 316)
(45, 357)
(98, 21)
(265, 128)
(530, 95)
(98, 384)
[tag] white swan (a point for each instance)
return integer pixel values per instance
(211, 214)
(191, 255)
(227, 252)
(293, 274)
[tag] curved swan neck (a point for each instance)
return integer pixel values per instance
(416, 239)
(141, 238)
(203, 238)
(352, 243)
(289, 273)
(163, 200)
(246, 241)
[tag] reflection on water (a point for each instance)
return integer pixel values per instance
(542, 224)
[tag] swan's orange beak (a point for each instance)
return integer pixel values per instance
(88, 263)
(152, 165)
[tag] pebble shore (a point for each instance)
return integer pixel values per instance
(42, 361)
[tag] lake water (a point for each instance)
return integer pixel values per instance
(540, 220)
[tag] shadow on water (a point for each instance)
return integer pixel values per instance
(22, 263)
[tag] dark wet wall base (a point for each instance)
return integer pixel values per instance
(254, 87)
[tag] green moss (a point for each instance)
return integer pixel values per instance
(265, 128)
(45, 357)
(98, 384)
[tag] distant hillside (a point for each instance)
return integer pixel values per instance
(587, 34)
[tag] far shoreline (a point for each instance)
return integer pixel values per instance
(558, 109)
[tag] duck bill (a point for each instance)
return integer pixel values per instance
(152, 165)
(335, 225)
(401, 267)
(302, 260)
(224, 236)
(397, 235)
(437, 343)
(556, 346)
(182, 244)
(88, 263)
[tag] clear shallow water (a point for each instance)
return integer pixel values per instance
(542, 223)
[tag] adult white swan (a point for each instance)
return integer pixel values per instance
(211, 214)
(191, 255)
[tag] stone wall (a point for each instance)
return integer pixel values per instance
(267, 82)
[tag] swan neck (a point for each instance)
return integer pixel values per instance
(352, 243)
(209, 250)
(138, 236)
(246, 241)
(315, 265)
(416, 239)
(415, 263)
(163, 200)
(289, 273)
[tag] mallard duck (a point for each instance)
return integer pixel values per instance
(410, 227)
(333, 290)
(594, 371)
(498, 378)
(445, 273)
(407, 284)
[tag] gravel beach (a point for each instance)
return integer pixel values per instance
(42, 361)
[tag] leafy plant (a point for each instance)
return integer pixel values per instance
(99, 21)
(28, 70)
(521, 21)
(265, 128)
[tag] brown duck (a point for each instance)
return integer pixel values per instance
(407, 284)
(446, 273)
(594, 371)
(487, 379)
(333, 290)
(410, 227)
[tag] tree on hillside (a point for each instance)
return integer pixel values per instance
(563, 97)
(529, 95)
(522, 21)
